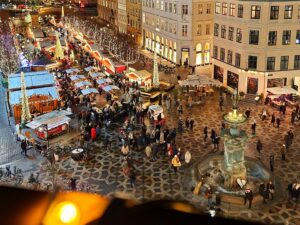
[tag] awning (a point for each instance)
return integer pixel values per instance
(282, 90)
(52, 119)
(77, 77)
(84, 83)
(89, 91)
(107, 88)
(72, 70)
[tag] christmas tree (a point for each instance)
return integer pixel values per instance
(155, 76)
(26, 116)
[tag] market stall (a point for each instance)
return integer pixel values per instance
(50, 124)
(156, 114)
(143, 77)
(278, 96)
(88, 91)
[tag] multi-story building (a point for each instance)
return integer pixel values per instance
(180, 31)
(108, 12)
(122, 16)
(134, 17)
(256, 44)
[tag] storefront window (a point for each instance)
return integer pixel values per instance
(232, 79)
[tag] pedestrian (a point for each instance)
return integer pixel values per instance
(247, 113)
(271, 161)
(191, 124)
(175, 163)
(283, 151)
(187, 123)
(132, 177)
(180, 125)
(271, 189)
(24, 147)
(291, 135)
(263, 191)
(253, 127)
(248, 197)
(93, 134)
(180, 109)
(148, 151)
(293, 116)
(125, 150)
(205, 131)
(259, 146)
(278, 122)
(273, 120)
(187, 157)
(212, 135)
(209, 195)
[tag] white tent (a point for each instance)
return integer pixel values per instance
(282, 90)
(199, 80)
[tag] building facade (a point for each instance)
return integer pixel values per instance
(134, 19)
(180, 31)
(256, 44)
(108, 12)
(122, 16)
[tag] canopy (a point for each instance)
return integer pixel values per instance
(52, 119)
(97, 74)
(89, 68)
(72, 70)
(199, 80)
(282, 90)
(114, 87)
(156, 109)
(101, 81)
(76, 77)
(107, 88)
(89, 91)
(83, 83)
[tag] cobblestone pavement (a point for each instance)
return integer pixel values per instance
(103, 173)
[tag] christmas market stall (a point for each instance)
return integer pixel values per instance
(279, 96)
(50, 124)
(142, 77)
(40, 89)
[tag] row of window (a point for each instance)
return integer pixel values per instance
(199, 31)
(254, 35)
(162, 5)
(252, 60)
(230, 9)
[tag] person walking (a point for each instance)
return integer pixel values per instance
(247, 113)
(259, 147)
(125, 150)
(175, 163)
(192, 124)
(187, 123)
(148, 151)
(278, 122)
(187, 157)
(271, 161)
(271, 189)
(93, 134)
(283, 151)
(273, 120)
(205, 131)
(253, 127)
(132, 177)
(24, 147)
(263, 191)
(248, 197)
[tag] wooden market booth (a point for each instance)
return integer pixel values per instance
(41, 91)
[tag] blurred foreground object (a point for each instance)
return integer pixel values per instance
(28, 207)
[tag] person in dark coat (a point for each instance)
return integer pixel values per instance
(24, 147)
(191, 124)
(273, 120)
(205, 131)
(132, 177)
(248, 197)
(278, 122)
(253, 127)
(259, 146)
(271, 159)
(263, 191)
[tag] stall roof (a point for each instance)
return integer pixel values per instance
(83, 83)
(97, 74)
(282, 90)
(52, 119)
(46, 44)
(32, 79)
(77, 77)
(15, 96)
(141, 74)
(89, 91)
(107, 88)
(42, 62)
(72, 70)
(37, 32)
(199, 80)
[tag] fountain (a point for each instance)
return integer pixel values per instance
(230, 172)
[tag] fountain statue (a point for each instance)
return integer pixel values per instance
(233, 168)
(230, 172)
